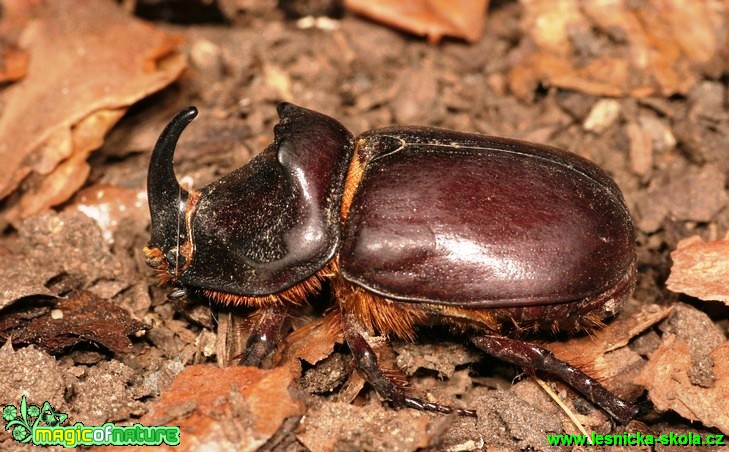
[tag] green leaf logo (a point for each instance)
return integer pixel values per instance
(19, 423)
(23, 422)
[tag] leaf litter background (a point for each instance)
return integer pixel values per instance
(86, 90)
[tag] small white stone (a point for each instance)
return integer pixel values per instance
(602, 115)
(56, 314)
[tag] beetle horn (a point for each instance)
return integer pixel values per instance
(166, 196)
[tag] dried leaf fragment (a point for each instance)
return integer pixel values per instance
(313, 342)
(82, 317)
(666, 376)
(234, 408)
(13, 64)
(70, 173)
(615, 49)
(431, 18)
(701, 269)
(75, 90)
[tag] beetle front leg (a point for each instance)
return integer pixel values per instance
(367, 363)
(529, 355)
(264, 335)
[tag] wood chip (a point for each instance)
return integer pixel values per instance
(237, 408)
(701, 269)
(666, 376)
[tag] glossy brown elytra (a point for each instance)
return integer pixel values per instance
(412, 226)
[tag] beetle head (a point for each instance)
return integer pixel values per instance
(261, 229)
(169, 249)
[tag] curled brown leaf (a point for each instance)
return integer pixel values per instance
(76, 88)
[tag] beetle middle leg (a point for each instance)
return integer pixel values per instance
(355, 334)
(529, 355)
(264, 334)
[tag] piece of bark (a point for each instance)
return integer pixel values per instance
(233, 408)
(666, 376)
(312, 343)
(82, 317)
(701, 269)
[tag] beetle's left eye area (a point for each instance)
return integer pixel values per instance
(175, 259)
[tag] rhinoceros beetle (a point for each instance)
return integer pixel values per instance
(412, 226)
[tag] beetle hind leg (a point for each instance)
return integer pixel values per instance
(367, 363)
(531, 356)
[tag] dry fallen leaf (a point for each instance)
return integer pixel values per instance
(615, 49)
(82, 317)
(431, 18)
(53, 119)
(313, 342)
(666, 376)
(13, 64)
(701, 269)
(235, 408)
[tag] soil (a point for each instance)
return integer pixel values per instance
(367, 76)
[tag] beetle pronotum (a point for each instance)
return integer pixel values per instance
(412, 226)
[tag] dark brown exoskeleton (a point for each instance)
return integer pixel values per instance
(412, 226)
